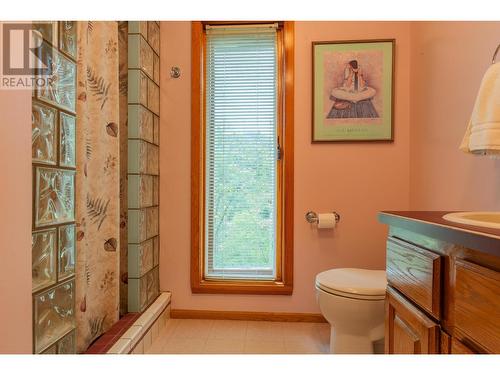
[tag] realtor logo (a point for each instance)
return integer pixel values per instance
(25, 55)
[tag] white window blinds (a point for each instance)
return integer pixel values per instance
(241, 152)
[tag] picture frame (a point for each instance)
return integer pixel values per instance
(353, 91)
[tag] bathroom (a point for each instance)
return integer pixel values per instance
(433, 80)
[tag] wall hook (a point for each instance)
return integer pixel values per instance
(175, 72)
(495, 55)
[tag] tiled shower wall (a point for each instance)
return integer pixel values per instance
(143, 163)
(53, 160)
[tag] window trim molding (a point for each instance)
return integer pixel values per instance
(284, 283)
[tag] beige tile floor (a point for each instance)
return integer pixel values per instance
(193, 336)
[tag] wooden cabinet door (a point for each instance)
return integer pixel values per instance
(476, 305)
(407, 329)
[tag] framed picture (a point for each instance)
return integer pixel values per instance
(353, 90)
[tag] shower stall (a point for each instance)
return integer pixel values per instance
(95, 167)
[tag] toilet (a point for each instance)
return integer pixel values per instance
(352, 301)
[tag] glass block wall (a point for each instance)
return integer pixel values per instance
(143, 162)
(53, 161)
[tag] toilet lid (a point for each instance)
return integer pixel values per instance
(354, 281)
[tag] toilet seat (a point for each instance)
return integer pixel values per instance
(353, 283)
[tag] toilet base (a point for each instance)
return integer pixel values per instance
(344, 343)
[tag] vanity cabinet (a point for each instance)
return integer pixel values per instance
(443, 293)
(407, 329)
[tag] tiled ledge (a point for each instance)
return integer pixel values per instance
(135, 332)
(106, 341)
(144, 330)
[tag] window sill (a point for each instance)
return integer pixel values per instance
(241, 287)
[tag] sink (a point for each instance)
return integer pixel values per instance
(488, 219)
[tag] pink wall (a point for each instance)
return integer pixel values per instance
(15, 222)
(448, 60)
(356, 180)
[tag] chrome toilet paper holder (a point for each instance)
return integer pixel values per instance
(312, 217)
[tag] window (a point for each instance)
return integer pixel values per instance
(242, 157)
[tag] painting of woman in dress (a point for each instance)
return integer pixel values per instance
(353, 90)
(353, 99)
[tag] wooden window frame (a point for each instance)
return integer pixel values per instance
(283, 284)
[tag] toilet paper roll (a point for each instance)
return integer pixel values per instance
(326, 221)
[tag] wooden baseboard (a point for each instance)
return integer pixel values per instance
(247, 315)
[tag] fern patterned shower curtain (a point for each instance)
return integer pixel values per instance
(97, 181)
